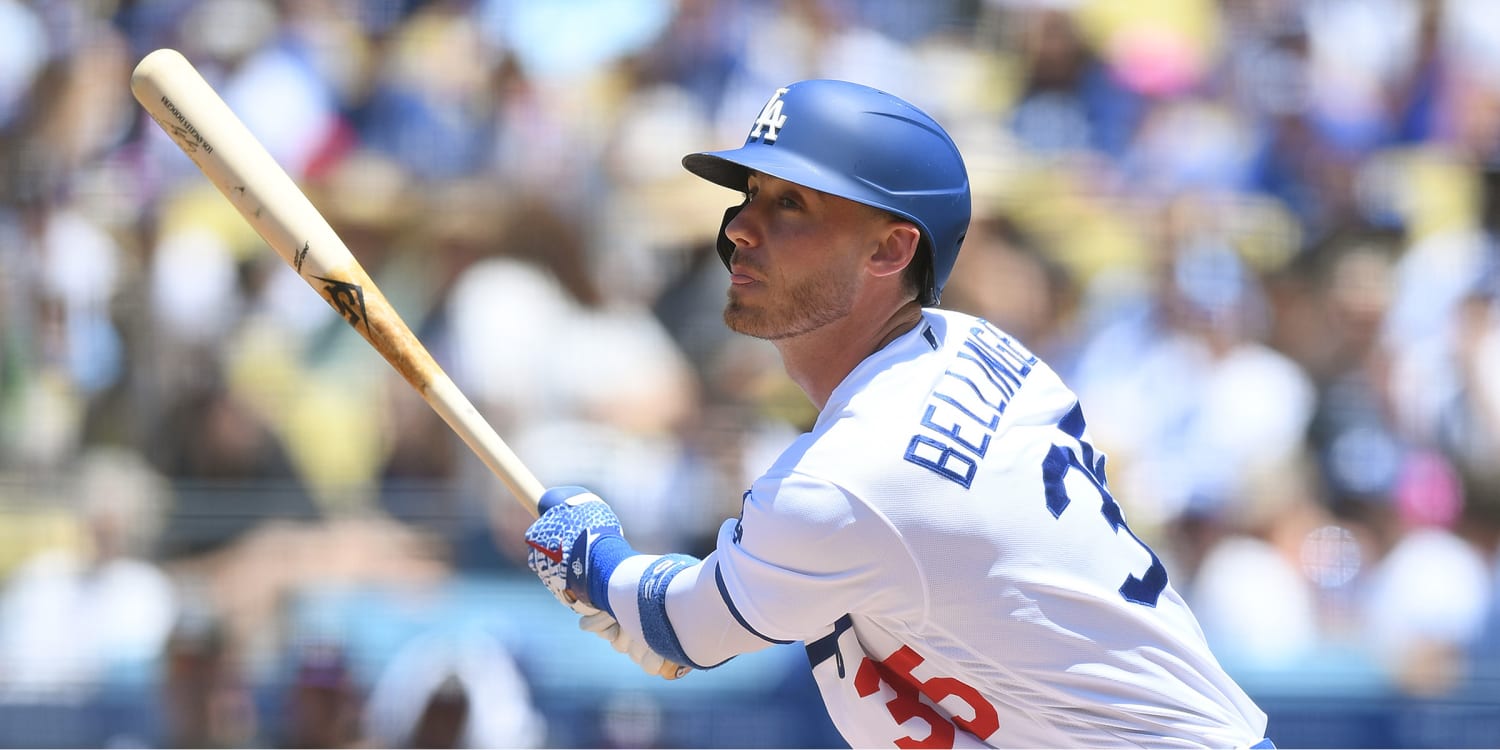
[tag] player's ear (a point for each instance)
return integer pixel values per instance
(895, 249)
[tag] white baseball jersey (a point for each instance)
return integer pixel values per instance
(945, 544)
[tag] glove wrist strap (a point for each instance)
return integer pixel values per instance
(605, 553)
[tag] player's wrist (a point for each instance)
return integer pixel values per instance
(605, 554)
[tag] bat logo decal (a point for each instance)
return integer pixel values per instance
(301, 254)
(187, 136)
(348, 299)
(183, 137)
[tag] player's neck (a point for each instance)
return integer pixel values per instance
(819, 361)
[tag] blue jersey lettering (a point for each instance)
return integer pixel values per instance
(964, 410)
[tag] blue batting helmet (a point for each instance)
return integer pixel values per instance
(861, 144)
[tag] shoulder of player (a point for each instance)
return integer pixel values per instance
(794, 515)
(807, 498)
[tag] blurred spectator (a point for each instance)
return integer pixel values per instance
(566, 42)
(206, 694)
(429, 103)
(697, 51)
(1467, 424)
(274, 79)
(223, 461)
(1005, 277)
(73, 619)
(1070, 100)
(1309, 138)
(1185, 372)
(790, 40)
(1398, 498)
(26, 49)
(1258, 606)
(1431, 282)
(1424, 604)
(442, 720)
(323, 701)
(1353, 433)
(452, 688)
(1480, 525)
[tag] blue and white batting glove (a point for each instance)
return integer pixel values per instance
(575, 545)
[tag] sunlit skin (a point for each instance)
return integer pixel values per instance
(820, 277)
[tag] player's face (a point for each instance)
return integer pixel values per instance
(797, 260)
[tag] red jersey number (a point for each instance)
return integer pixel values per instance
(896, 671)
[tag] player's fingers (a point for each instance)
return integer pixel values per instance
(600, 624)
(595, 622)
(581, 608)
(644, 656)
(652, 664)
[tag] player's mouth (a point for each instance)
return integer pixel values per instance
(744, 267)
(742, 273)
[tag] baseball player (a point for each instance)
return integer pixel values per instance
(943, 541)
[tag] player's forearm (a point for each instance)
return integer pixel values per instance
(689, 624)
(637, 597)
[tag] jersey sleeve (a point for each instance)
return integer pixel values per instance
(804, 553)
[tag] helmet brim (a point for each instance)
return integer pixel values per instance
(731, 168)
(714, 167)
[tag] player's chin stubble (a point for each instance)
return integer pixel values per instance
(802, 308)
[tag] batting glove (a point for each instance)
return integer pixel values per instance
(575, 545)
(604, 626)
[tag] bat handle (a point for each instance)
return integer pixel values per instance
(455, 409)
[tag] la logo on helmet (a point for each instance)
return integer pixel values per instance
(769, 124)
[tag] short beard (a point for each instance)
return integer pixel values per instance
(810, 305)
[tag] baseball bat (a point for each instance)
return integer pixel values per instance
(178, 98)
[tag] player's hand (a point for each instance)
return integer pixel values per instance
(573, 519)
(604, 626)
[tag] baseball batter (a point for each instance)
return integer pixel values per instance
(943, 541)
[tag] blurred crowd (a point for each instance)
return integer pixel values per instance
(1257, 236)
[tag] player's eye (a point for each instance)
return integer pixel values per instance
(781, 197)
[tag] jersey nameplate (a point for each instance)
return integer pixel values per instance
(965, 408)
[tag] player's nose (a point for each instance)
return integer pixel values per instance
(743, 229)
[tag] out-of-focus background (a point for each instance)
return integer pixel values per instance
(1257, 236)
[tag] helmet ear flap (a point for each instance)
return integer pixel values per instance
(726, 245)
